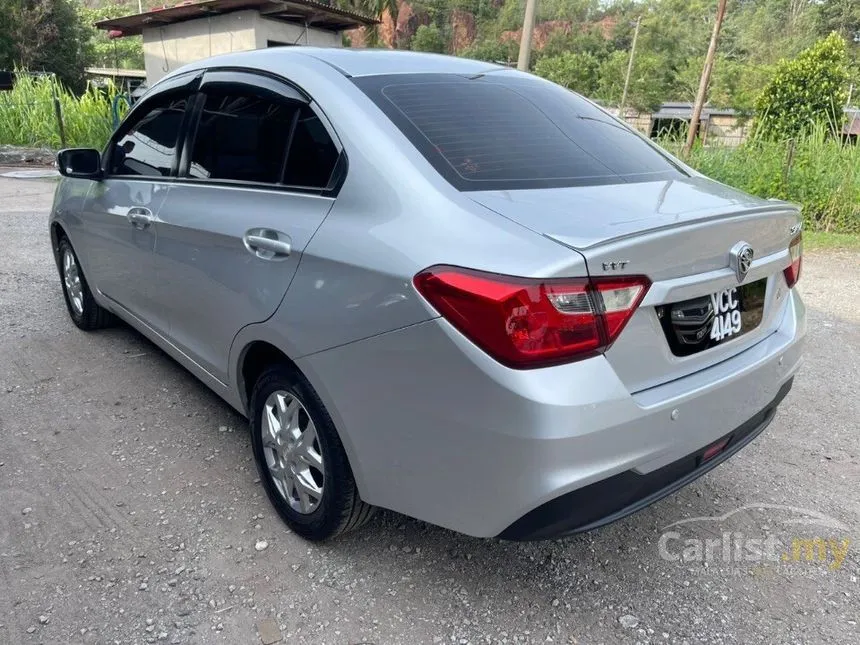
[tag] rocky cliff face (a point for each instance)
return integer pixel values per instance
(463, 28)
(408, 20)
(544, 30)
(541, 33)
(392, 34)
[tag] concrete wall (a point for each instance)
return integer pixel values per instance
(267, 29)
(168, 47)
(726, 130)
(638, 120)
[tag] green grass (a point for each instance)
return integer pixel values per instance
(819, 173)
(817, 240)
(27, 115)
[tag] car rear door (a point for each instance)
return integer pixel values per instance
(117, 236)
(255, 183)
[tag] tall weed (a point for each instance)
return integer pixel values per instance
(27, 116)
(817, 171)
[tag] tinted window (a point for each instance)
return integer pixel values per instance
(149, 146)
(242, 137)
(264, 139)
(500, 131)
(313, 154)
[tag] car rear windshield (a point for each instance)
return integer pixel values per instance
(502, 131)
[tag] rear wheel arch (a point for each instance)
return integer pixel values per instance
(256, 357)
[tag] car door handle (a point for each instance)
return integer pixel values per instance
(139, 217)
(267, 244)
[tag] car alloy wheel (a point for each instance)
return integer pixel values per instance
(292, 451)
(72, 282)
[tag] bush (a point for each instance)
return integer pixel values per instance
(805, 92)
(27, 114)
(492, 51)
(572, 70)
(428, 38)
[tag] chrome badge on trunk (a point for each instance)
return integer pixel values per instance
(741, 259)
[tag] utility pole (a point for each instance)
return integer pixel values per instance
(629, 69)
(706, 78)
(526, 39)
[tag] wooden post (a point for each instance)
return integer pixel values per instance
(629, 70)
(789, 162)
(58, 113)
(706, 78)
(526, 39)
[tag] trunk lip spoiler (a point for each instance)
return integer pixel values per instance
(785, 208)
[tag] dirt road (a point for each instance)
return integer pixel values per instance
(130, 509)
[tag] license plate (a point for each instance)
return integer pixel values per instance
(727, 314)
(701, 323)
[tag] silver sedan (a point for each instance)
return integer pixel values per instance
(437, 286)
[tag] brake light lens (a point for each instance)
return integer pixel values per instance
(795, 250)
(527, 323)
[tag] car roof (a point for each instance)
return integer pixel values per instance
(373, 62)
(350, 62)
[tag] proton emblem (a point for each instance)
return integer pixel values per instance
(741, 259)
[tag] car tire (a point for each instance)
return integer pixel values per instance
(83, 309)
(301, 460)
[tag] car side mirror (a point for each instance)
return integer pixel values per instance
(84, 163)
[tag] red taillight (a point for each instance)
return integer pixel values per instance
(795, 250)
(525, 322)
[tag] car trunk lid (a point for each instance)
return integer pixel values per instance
(680, 234)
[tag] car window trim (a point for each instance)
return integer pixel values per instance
(247, 77)
(196, 109)
(253, 185)
(289, 146)
(189, 81)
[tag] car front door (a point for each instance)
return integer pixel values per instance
(120, 210)
(255, 184)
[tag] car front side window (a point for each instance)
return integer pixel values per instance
(148, 147)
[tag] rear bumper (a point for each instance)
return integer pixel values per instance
(621, 495)
(437, 430)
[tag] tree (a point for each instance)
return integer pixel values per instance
(734, 83)
(806, 91)
(123, 53)
(492, 51)
(575, 71)
(841, 16)
(588, 40)
(650, 80)
(763, 31)
(428, 38)
(45, 35)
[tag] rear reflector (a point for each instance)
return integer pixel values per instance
(715, 449)
(795, 250)
(526, 323)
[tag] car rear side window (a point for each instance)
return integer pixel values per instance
(149, 146)
(242, 137)
(500, 131)
(261, 139)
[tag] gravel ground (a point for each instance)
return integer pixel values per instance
(131, 512)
